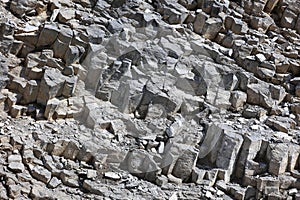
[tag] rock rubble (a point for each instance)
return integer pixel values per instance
(156, 99)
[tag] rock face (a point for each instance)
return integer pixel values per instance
(197, 99)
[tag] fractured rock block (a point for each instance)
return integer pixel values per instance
(30, 92)
(69, 86)
(66, 14)
(251, 147)
(73, 54)
(283, 124)
(200, 21)
(228, 152)
(17, 111)
(48, 35)
(41, 174)
(198, 175)
(71, 151)
(185, 164)
(69, 178)
(50, 86)
(11, 99)
(238, 99)
(277, 155)
(263, 182)
(51, 106)
(211, 28)
(259, 94)
(141, 163)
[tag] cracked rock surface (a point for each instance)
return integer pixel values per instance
(154, 99)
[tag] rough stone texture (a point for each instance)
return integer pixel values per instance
(139, 99)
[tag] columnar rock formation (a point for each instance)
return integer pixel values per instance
(163, 99)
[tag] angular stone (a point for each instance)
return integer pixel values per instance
(198, 175)
(71, 151)
(66, 14)
(258, 94)
(115, 26)
(283, 124)
(112, 175)
(238, 99)
(140, 162)
(69, 178)
(267, 181)
(211, 28)
(30, 92)
(72, 54)
(17, 111)
(69, 86)
(228, 152)
(58, 148)
(161, 180)
(277, 155)
(94, 188)
(200, 21)
(173, 179)
(288, 19)
(20, 7)
(54, 183)
(48, 35)
(16, 167)
(51, 106)
(185, 164)
(50, 86)
(41, 174)
(91, 174)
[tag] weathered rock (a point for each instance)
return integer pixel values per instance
(50, 86)
(238, 99)
(211, 28)
(69, 178)
(54, 183)
(277, 155)
(140, 163)
(41, 174)
(48, 35)
(185, 164)
(282, 124)
(66, 14)
(20, 7)
(16, 167)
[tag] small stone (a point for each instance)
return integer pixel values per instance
(16, 167)
(14, 158)
(91, 174)
(174, 179)
(112, 175)
(54, 183)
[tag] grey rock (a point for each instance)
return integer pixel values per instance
(41, 174)
(277, 156)
(16, 167)
(185, 164)
(112, 175)
(69, 178)
(50, 86)
(238, 99)
(20, 7)
(48, 35)
(54, 182)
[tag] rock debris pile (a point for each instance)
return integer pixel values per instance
(154, 99)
